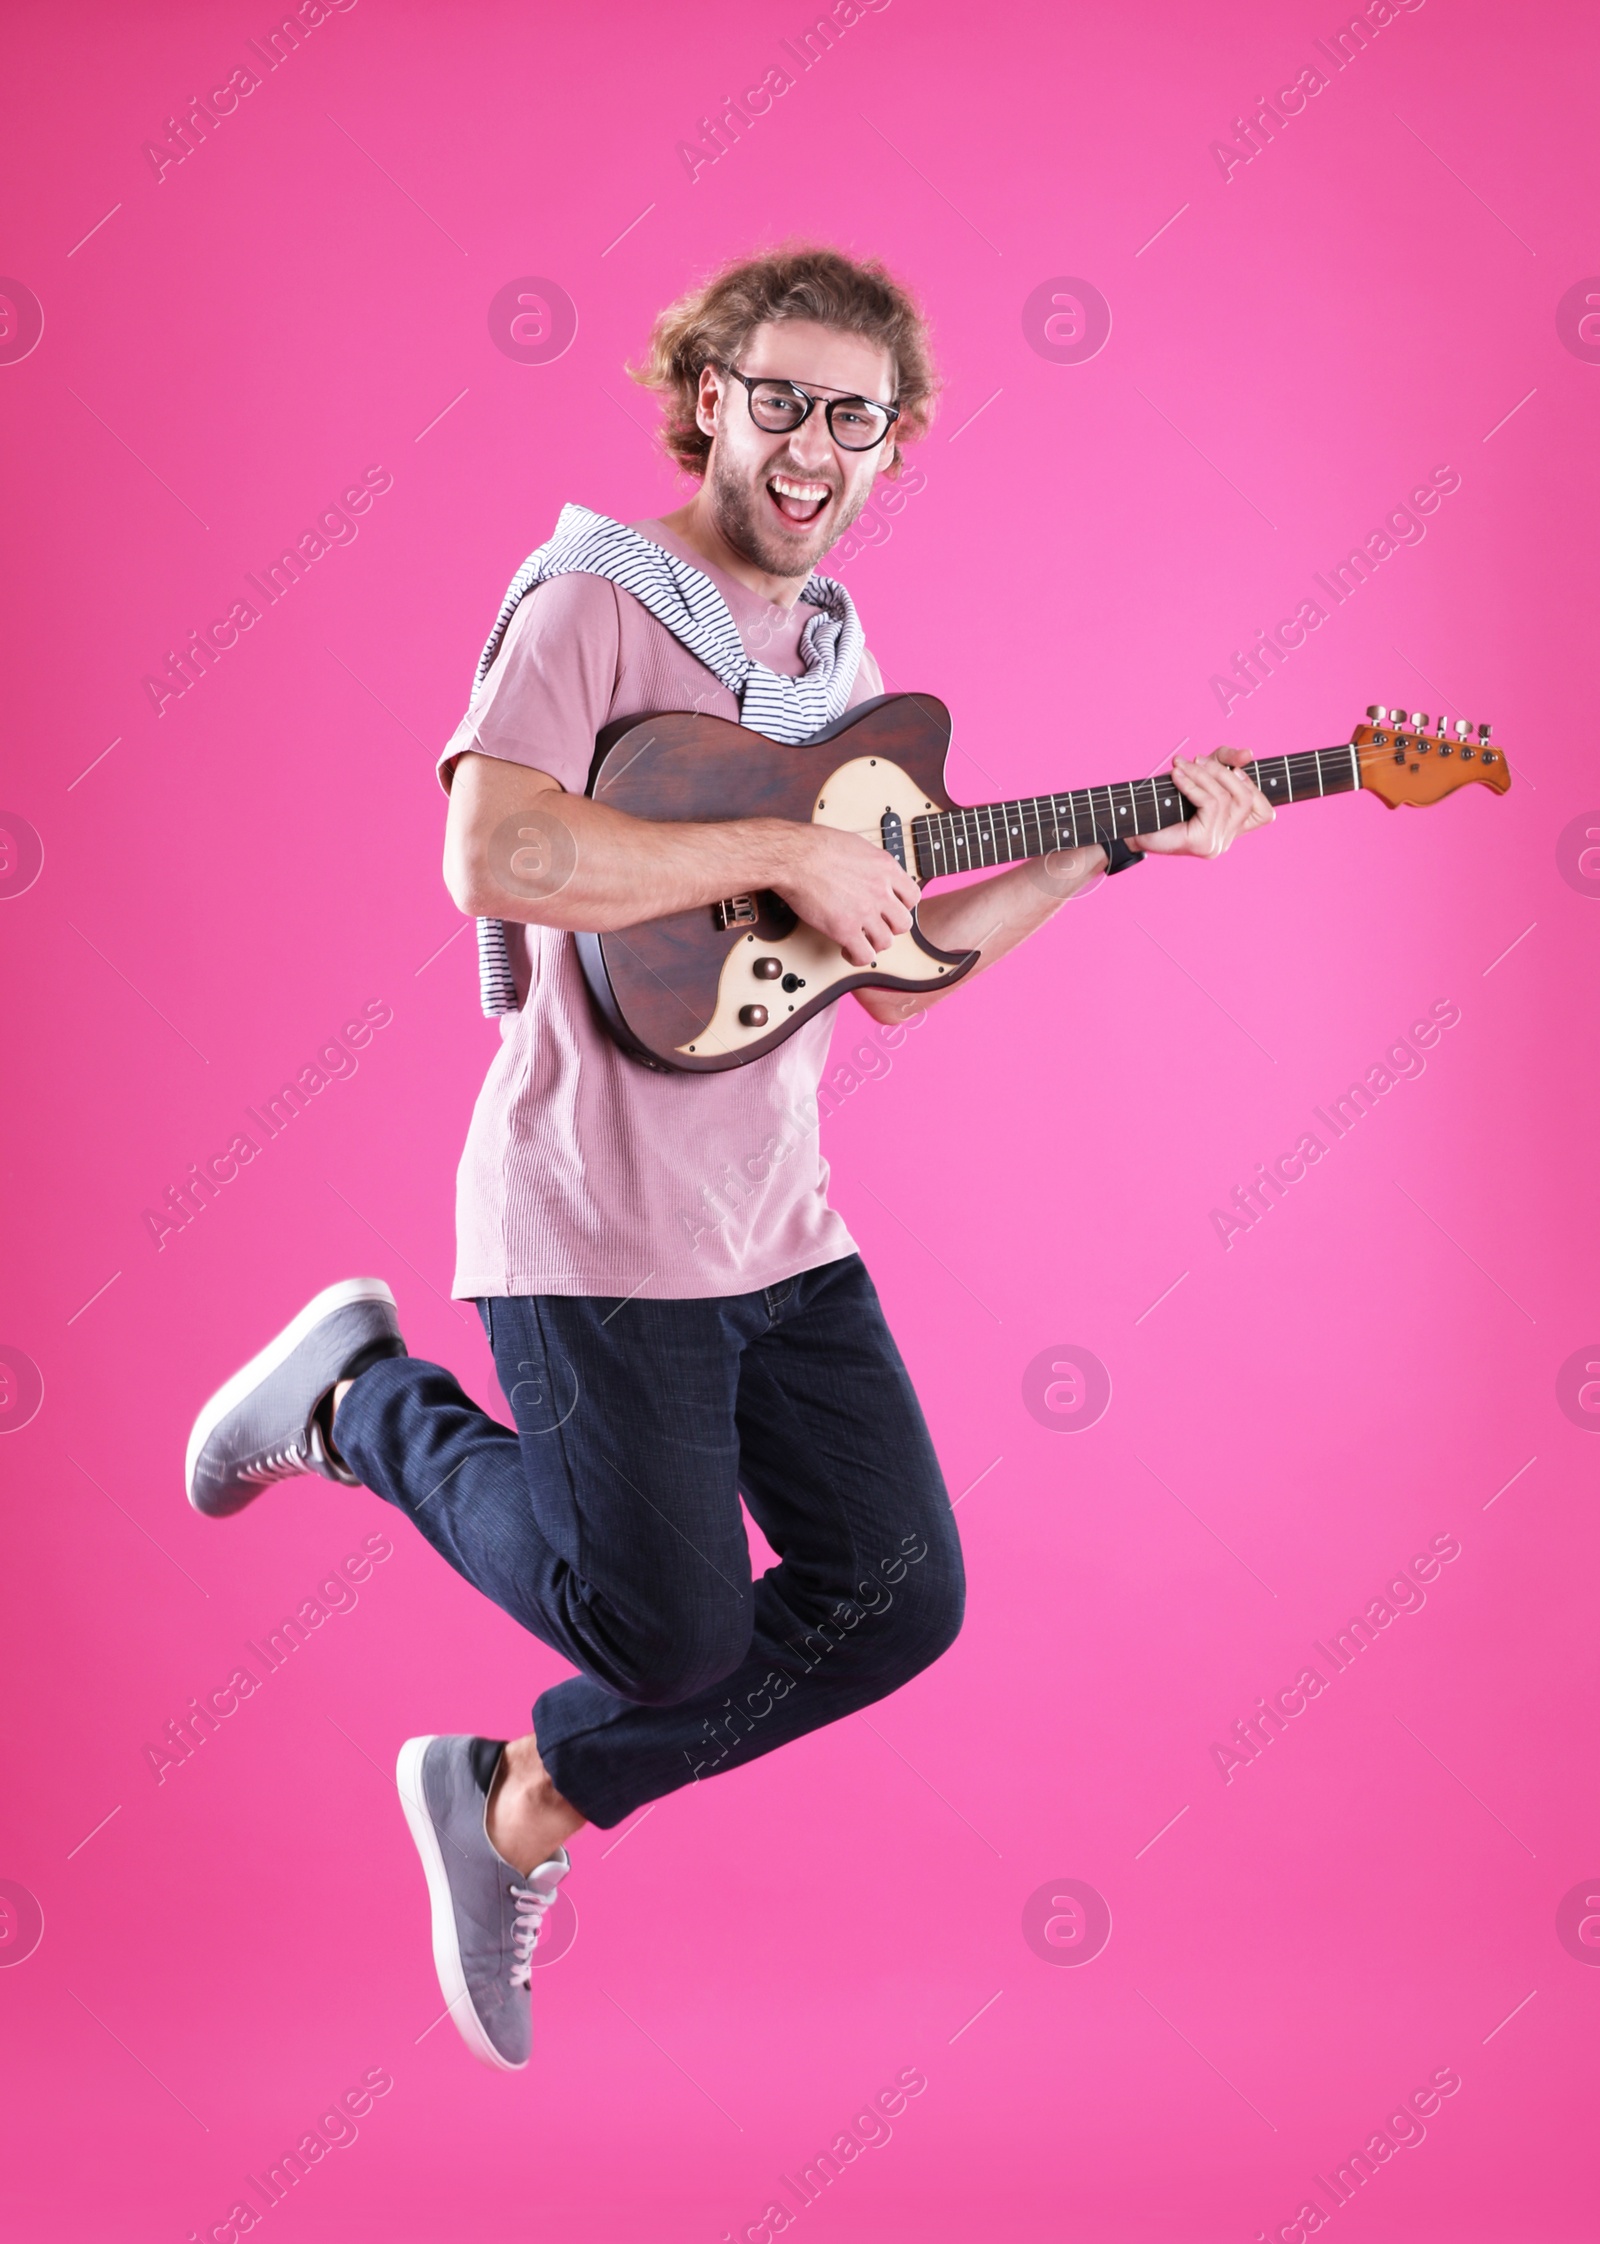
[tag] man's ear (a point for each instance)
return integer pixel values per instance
(705, 411)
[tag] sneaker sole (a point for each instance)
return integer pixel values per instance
(446, 1948)
(276, 1353)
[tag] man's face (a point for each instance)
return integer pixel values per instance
(782, 500)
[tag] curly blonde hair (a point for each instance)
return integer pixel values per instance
(797, 280)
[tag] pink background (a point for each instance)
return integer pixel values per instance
(1372, 1366)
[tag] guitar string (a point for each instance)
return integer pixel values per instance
(1298, 763)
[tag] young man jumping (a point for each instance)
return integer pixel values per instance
(660, 1353)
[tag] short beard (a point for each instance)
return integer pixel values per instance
(736, 509)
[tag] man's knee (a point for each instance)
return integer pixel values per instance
(885, 1635)
(929, 1604)
(935, 1622)
(687, 1654)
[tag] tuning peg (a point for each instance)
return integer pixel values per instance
(1483, 732)
(1376, 712)
(1462, 728)
(1419, 720)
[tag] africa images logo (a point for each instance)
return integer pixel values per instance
(21, 320)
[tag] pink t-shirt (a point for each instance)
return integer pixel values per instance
(585, 1172)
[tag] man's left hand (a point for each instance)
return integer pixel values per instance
(1226, 805)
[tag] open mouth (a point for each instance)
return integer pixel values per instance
(798, 500)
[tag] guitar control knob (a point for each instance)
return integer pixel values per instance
(766, 969)
(792, 982)
(752, 1016)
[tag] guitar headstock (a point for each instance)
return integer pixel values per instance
(1404, 760)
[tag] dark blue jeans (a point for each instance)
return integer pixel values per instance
(608, 1521)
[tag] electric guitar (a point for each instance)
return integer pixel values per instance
(726, 983)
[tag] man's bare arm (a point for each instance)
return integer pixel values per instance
(518, 846)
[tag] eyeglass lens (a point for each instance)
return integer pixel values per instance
(853, 422)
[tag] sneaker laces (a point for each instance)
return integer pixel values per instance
(532, 1899)
(310, 1452)
(276, 1464)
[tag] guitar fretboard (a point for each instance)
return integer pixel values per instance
(952, 841)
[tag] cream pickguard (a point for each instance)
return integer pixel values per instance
(854, 797)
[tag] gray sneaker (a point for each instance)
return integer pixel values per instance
(486, 1915)
(264, 1424)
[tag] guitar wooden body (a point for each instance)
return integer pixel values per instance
(671, 990)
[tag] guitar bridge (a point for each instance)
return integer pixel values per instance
(736, 911)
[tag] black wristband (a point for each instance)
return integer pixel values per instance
(1118, 855)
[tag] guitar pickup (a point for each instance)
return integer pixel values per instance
(736, 911)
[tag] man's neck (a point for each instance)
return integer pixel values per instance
(697, 528)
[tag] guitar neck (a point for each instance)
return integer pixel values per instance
(953, 841)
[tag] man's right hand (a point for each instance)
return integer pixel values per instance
(849, 889)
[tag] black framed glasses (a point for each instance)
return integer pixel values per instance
(856, 424)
